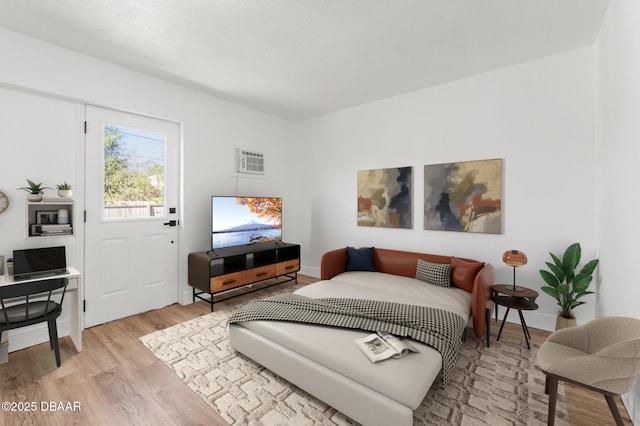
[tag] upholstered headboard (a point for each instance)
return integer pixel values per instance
(467, 274)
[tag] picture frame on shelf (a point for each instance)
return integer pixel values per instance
(46, 217)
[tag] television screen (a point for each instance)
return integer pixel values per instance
(237, 221)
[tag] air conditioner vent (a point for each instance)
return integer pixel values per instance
(249, 162)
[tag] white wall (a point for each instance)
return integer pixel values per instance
(25, 118)
(61, 81)
(618, 133)
(537, 117)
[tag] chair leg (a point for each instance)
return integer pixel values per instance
(53, 338)
(50, 336)
(546, 385)
(614, 410)
(488, 319)
(552, 385)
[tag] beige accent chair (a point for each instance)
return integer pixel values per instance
(602, 355)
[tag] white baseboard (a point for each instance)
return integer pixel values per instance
(187, 296)
(308, 270)
(631, 402)
(24, 337)
(534, 319)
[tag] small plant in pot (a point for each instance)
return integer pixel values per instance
(34, 190)
(64, 190)
(565, 285)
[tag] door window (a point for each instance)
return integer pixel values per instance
(133, 176)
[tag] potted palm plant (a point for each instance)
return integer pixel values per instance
(564, 285)
(34, 190)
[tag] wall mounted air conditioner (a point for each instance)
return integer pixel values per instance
(249, 162)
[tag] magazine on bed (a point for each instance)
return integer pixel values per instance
(383, 345)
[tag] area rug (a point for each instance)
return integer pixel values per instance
(497, 386)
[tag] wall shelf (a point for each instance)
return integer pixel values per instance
(42, 218)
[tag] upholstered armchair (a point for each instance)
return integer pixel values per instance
(602, 355)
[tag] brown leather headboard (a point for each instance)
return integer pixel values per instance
(402, 262)
(398, 262)
(467, 274)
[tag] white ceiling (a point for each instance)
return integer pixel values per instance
(298, 59)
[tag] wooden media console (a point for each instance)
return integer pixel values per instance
(218, 271)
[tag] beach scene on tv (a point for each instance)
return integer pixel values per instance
(239, 221)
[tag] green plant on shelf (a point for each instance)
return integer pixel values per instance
(64, 186)
(34, 188)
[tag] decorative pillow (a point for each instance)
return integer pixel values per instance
(434, 273)
(464, 273)
(360, 259)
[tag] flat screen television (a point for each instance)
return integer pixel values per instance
(238, 221)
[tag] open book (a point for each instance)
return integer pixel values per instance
(383, 345)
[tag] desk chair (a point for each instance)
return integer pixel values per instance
(603, 356)
(34, 307)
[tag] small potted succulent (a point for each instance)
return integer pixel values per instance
(64, 190)
(34, 190)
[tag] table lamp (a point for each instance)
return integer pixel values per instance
(516, 259)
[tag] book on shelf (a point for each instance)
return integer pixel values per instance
(51, 229)
(56, 231)
(382, 345)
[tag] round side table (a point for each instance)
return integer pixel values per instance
(522, 300)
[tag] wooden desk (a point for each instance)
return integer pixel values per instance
(522, 300)
(74, 289)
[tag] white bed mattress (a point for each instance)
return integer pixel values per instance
(405, 380)
(388, 287)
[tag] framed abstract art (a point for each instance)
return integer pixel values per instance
(384, 197)
(464, 197)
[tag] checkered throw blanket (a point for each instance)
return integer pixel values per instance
(440, 329)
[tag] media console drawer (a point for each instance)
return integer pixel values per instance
(288, 266)
(261, 273)
(228, 281)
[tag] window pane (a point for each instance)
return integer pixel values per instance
(133, 173)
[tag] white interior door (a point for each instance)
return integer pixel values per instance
(131, 198)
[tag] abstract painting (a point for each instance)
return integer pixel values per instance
(384, 197)
(464, 197)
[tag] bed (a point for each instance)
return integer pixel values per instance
(324, 360)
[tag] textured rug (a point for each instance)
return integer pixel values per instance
(498, 385)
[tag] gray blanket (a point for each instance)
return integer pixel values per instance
(440, 329)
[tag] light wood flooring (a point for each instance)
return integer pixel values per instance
(117, 381)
